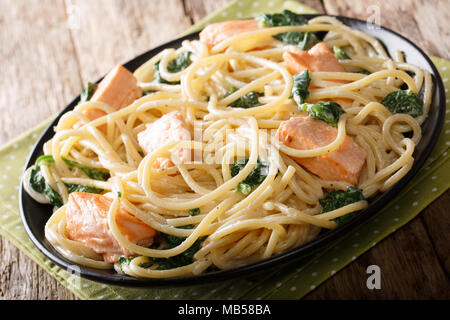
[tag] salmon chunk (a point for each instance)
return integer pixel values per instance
(318, 58)
(169, 128)
(118, 89)
(87, 215)
(218, 32)
(305, 133)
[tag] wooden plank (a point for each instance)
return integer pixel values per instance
(423, 22)
(39, 73)
(114, 31)
(39, 76)
(409, 270)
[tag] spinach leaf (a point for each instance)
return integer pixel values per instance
(340, 53)
(194, 212)
(300, 86)
(53, 196)
(328, 111)
(303, 41)
(248, 100)
(256, 176)
(81, 188)
(147, 92)
(285, 18)
(180, 63)
(37, 181)
(337, 199)
(87, 93)
(125, 261)
(90, 172)
(403, 101)
(182, 259)
(175, 65)
(363, 71)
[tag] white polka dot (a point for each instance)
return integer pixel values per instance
(373, 243)
(313, 287)
(314, 274)
(444, 68)
(256, 4)
(176, 296)
(231, 288)
(101, 297)
(240, 3)
(13, 197)
(376, 231)
(85, 285)
(333, 272)
(335, 259)
(415, 191)
(224, 14)
(8, 168)
(195, 293)
(356, 245)
(427, 168)
(104, 286)
(446, 90)
(259, 298)
(434, 189)
(298, 269)
(445, 154)
(433, 177)
(239, 14)
(353, 258)
(213, 290)
(229, 298)
(12, 157)
(447, 121)
(157, 297)
(271, 4)
(415, 203)
(119, 297)
(293, 288)
(139, 298)
(5, 176)
(34, 135)
(15, 145)
(448, 143)
(447, 100)
(397, 207)
(1, 186)
(9, 206)
(445, 79)
(396, 219)
(278, 284)
(5, 216)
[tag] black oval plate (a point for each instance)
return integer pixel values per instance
(35, 215)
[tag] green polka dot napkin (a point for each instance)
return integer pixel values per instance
(290, 281)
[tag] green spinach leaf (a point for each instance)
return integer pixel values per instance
(175, 65)
(337, 199)
(37, 181)
(256, 176)
(90, 172)
(248, 100)
(285, 18)
(81, 188)
(194, 212)
(300, 86)
(340, 53)
(328, 111)
(403, 101)
(303, 41)
(87, 93)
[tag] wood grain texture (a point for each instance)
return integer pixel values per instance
(75, 41)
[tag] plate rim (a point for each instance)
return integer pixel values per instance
(302, 251)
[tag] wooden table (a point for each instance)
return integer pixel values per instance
(51, 48)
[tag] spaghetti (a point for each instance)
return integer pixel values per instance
(244, 195)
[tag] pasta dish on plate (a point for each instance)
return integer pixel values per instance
(233, 148)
